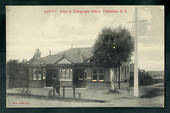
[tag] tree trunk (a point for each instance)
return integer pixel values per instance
(112, 74)
(119, 77)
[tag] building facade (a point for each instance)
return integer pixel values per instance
(72, 67)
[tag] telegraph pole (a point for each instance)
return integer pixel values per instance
(136, 76)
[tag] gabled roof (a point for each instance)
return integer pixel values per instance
(75, 55)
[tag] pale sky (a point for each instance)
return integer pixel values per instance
(29, 28)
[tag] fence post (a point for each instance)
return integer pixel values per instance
(63, 91)
(73, 92)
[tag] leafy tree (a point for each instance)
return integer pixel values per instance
(113, 46)
(16, 73)
(11, 70)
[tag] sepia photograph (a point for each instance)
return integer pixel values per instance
(85, 56)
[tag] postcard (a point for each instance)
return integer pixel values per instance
(84, 56)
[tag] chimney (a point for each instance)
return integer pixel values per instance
(37, 54)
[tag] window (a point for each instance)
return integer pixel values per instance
(85, 74)
(101, 78)
(98, 75)
(101, 75)
(34, 77)
(65, 74)
(94, 77)
(101, 71)
(82, 74)
(34, 74)
(37, 74)
(94, 71)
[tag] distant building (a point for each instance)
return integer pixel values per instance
(73, 67)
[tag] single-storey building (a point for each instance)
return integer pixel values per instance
(73, 67)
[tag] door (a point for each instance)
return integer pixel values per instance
(79, 77)
(51, 77)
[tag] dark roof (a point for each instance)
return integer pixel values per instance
(74, 55)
